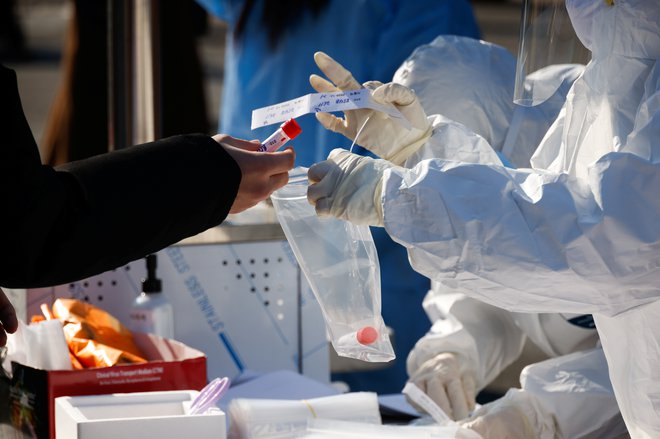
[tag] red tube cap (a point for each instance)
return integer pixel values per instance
(291, 128)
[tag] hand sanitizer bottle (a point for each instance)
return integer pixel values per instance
(151, 312)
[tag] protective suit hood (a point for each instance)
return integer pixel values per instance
(471, 82)
(484, 104)
(604, 28)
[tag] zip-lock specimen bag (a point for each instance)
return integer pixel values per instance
(340, 263)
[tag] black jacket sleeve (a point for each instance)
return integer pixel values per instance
(62, 224)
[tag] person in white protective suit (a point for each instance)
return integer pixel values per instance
(471, 342)
(577, 232)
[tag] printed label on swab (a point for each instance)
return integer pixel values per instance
(323, 102)
(423, 400)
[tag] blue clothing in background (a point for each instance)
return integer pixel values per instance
(371, 38)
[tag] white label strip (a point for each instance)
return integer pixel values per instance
(326, 102)
(423, 400)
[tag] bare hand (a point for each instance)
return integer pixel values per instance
(8, 320)
(263, 173)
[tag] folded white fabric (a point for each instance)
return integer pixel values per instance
(276, 418)
(330, 429)
(39, 345)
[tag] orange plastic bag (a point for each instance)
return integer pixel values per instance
(95, 338)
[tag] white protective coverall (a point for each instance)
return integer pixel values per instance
(579, 232)
(486, 339)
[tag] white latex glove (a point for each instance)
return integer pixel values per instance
(448, 384)
(517, 415)
(348, 186)
(382, 135)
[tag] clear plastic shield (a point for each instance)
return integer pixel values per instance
(547, 38)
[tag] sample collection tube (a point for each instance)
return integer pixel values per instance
(287, 131)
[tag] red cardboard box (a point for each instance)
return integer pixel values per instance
(171, 366)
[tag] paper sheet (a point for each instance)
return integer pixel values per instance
(396, 404)
(282, 384)
(323, 102)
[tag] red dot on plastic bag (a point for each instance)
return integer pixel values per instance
(367, 335)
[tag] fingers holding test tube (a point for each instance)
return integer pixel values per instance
(261, 174)
(246, 145)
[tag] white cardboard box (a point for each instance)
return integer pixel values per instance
(147, 415)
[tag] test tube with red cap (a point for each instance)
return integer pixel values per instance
(287, 131)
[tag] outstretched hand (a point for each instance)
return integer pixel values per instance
(262, 173)
(8, 319)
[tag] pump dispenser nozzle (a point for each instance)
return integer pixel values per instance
(151, 312)
(151, 284)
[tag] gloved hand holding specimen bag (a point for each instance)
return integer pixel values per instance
(340, 262)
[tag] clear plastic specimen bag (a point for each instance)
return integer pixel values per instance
(340, 263)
